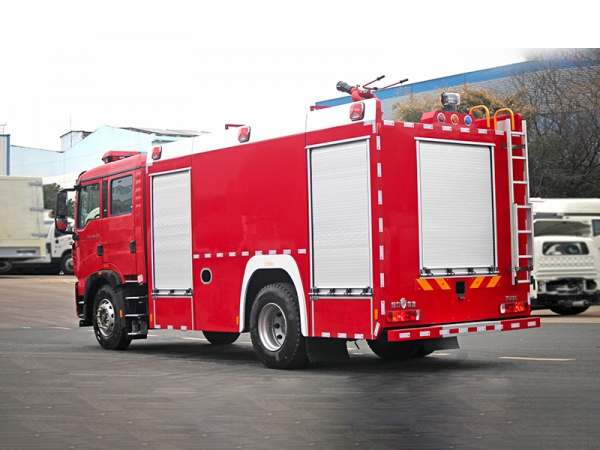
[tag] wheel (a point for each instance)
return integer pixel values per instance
(220, 338)
(395, 351)
(107, 327)
(275, 328)
(5, 267)
(565, 311)
(66, 264)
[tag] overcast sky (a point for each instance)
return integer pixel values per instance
(196, 65)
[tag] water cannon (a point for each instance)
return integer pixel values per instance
(359, 93)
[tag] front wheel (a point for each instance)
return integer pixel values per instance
(108, 328)
(275, 328)
(5, 267)
(220, 338)
(66, 264)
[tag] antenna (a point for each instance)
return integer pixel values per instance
(2, 125)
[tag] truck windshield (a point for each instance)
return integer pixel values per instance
(565, 248)
(88, 206)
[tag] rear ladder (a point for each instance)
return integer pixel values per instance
(521, 221)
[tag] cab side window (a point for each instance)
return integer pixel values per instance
(121, 195)
(89, 204)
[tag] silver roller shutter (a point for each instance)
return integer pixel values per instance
(456, 207)
(341, 234)
(171, 231)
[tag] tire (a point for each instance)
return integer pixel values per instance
(5, 267)
(66, 264)
(108, 329)
(565, 311)
(395, 351)
(220, 338)
(275, 328)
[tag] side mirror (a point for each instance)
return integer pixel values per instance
(61, 211)
(61, 207)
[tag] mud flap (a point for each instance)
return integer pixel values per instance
(326, 350)
(449, 343)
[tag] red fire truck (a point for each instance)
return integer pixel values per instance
(405, 235)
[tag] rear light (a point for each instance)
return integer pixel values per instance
(357, 111)
(513, 307)
(405, 315)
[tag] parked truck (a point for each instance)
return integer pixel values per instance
(406, 235)
(58, 258)
(22, 234)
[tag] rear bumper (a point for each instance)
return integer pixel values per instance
(461, 329)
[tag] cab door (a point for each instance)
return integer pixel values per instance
(88, 248)
(119, 224)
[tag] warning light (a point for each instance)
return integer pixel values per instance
(357, 111)
(405, 315)
(441, 118)
(513, 307)
(156, 153)
(454, 119)
(244, 134)
(468, 120)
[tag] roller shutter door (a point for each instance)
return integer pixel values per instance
(456, 207)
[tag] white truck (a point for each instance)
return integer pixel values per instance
(22, 234)
(585, 210)
(566, 266)
(57, 259)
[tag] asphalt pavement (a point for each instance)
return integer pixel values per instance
(533, 389)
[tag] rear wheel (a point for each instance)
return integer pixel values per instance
(395, 351)
(220, 338)
(275, 328)
(108, 328)
(566, 311)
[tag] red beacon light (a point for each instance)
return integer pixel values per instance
(357, 111)
(156, 153)
(244, 134)
(116, 155)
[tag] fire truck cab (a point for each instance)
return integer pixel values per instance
(405, 235)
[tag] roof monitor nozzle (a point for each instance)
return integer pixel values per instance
(450, 101)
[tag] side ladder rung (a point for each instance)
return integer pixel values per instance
(523, 281)
(519, 157)
(524, 231)
(525, 256)
(519, 182)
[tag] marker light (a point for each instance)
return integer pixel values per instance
(513, 307)
(357, 111)
(405, 315)
(156, 153)
(244, 134)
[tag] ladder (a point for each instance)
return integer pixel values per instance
(521, 221)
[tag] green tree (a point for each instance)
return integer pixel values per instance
(564, 138)
(50, 191)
